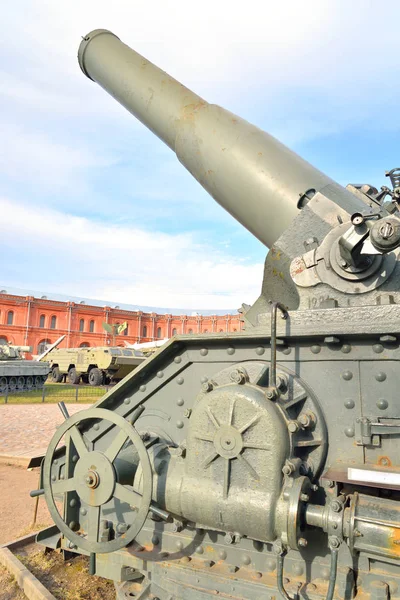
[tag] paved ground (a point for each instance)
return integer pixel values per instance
(26, 429)
(16, 506)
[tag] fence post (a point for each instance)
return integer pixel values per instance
(6, 395)
(43, 393)
(76, 393)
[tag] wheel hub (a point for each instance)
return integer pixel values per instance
(228, 441)
(92, 479)
(95, 478)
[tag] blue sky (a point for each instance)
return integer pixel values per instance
(93, 205)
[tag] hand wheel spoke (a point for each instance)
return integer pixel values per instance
(77, 439)
(63, 485)
(93, 525)
(115, 446)
(125, 493)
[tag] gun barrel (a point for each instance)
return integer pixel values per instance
(21, 348)
(252, 175)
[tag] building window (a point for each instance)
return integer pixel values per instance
(174, 332)
(159, 332)
(81, 324)
(10, 317)
(41, 321)
(42, 346)
(145, 331)
(190, 330)
(126, 330)
(53, 322)
(3, 341)
(84, 345)
(91, 326)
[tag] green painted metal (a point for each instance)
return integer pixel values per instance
(240, 448)
(240, 165)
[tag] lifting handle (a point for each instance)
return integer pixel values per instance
(274, 309)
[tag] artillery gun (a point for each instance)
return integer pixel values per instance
(18, 374)
(262, 464)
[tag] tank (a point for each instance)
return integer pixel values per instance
(18, 374)
(96, 366)
(263, 463)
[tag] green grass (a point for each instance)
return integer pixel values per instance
(57, 392)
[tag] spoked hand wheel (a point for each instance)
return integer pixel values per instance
(91, 474)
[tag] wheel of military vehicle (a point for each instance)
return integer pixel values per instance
(91, 479)
(12, 384)
(3, 384)
(95, 376)
(73, 376)
(56, 376)
(20, 382)
(29, 383)
(38, 381)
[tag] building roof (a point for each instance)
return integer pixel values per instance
(123, 306)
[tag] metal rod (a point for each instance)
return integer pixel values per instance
(158, 512)
(92, 563)
(274, 309)
(35, 509)
(378, 522)
(64, 410)
(279, 577)
(35, 493)
(332, 574)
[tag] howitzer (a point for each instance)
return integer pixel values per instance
(264, 463)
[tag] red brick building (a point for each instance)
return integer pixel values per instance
(29, 321)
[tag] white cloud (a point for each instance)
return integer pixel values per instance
(302, 70)
(127, 264)
(33, 156)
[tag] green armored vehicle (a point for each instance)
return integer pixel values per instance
(96, 366)
(18, 374)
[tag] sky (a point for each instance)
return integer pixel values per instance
(93, 205)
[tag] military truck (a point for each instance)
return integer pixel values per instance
(96, 366)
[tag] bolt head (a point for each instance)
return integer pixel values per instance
(229, 538)
(304, 420)
(302, 542)
(271, 393)
(206, 386)
(334, 542)
(232, 569)
(336, 506)
(288, 468)
(293, 426)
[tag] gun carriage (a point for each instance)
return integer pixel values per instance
(264, 463)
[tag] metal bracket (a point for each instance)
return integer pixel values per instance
(284, 313)
(369, 432)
